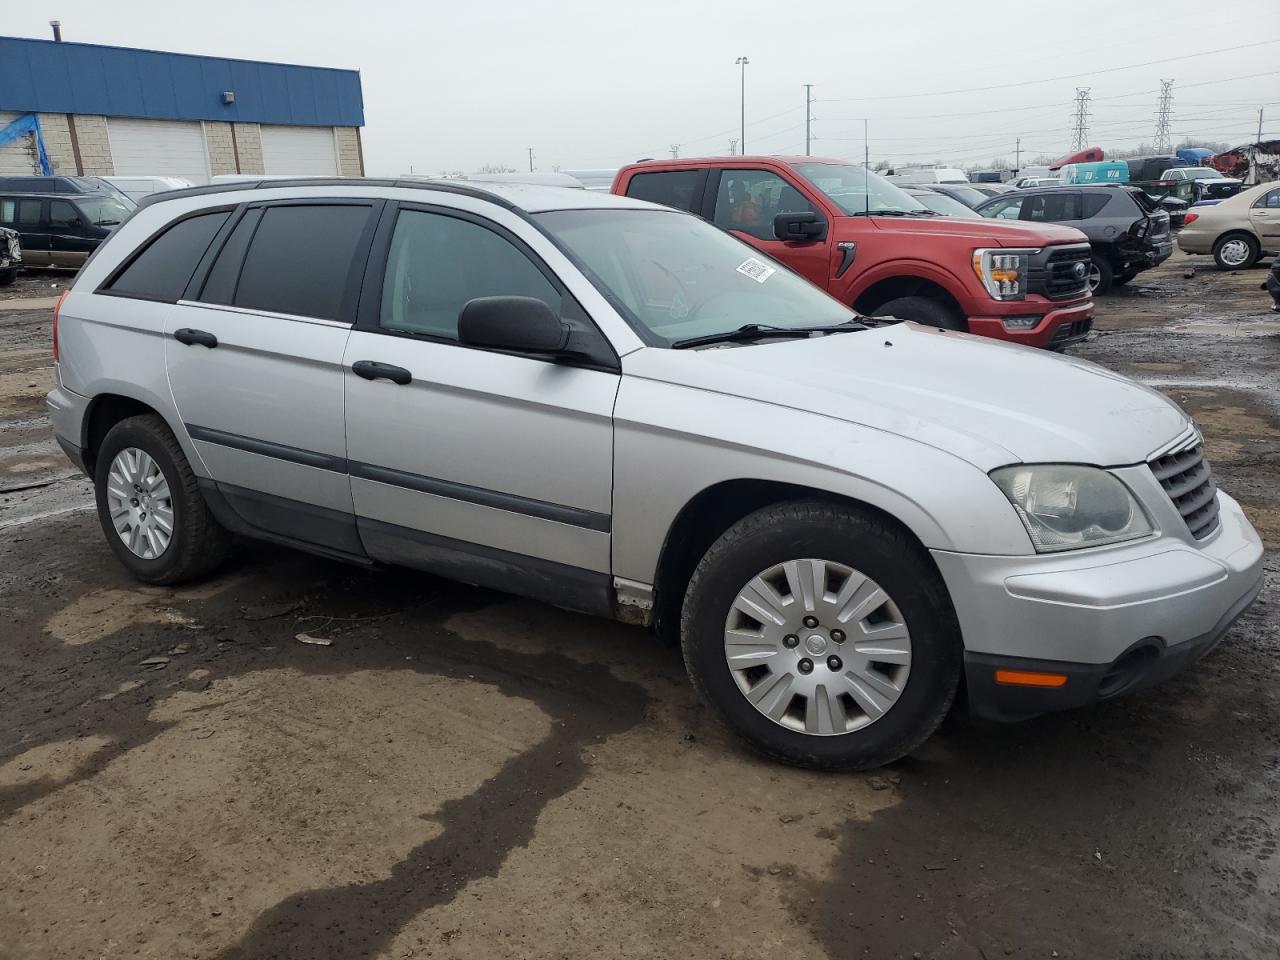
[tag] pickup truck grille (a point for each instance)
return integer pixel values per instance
(1054, 274)
(1216, 191)
(1186, 478)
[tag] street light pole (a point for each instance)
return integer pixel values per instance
(742, 62)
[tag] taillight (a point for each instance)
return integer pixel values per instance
(56, 308)
(1190, 218)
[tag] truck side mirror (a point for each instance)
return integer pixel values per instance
(803, 227)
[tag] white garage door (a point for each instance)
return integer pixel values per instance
(299, 151)
(165, 148)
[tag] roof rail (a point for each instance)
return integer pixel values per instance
(439, 186)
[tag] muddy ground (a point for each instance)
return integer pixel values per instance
(462, 774)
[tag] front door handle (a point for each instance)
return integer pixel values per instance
(193, 337)
(372, 370)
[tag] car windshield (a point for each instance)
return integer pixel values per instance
(103, 211)
(945, 205)
(675, 277)
(1202, 173)
(857, 192)
(965, 194)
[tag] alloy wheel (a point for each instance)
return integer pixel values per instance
(1095, 277)
(140, 503)
(817, 647)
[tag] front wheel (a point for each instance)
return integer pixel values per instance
(1101, 276)
(823, 636)
(923, 310)
(150, 506)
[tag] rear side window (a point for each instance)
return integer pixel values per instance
(1051, 207)
(672, 188)
(1093, 204)
(161, 271)
(437, 263)
(1268, 201)
(300, 258)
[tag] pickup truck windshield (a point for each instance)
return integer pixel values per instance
(857, 192)
(103, 211)
(676, 277)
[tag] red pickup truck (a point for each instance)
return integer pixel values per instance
(874, 247)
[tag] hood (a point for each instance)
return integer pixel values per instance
(979, 231)
(988, 402)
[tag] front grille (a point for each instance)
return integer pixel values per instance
(1186, 478)
(1222, 190)
(1070, 331)
(1053, 272)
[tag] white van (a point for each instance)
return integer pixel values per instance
(931, 175)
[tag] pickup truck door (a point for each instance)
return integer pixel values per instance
(745, 201)
(485, 466)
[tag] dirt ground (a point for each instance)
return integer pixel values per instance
(461, 774)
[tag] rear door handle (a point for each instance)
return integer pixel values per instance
(373, 370)
(193, 337)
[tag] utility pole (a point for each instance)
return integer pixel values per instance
(1164, 115)
(1080, 136)
(1017, 153)
(675, 151)
(742, 62)
(808, 102)
(531, 159)
(1259, 140)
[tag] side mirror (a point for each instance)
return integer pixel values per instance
(799, 227)
(518, 324)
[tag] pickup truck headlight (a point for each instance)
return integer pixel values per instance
(1068, 507)
(1003, 272)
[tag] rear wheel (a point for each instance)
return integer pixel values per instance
(1101, 276)
(1236, 251)
(822, 636)
(923, 310)
(150, 506)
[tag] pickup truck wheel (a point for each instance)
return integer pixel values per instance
(1101, 277)
(923, 310)
(1121, 279)
(150, 506)
(1236, 251)
(822, 636)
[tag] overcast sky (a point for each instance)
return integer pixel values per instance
(453, 86)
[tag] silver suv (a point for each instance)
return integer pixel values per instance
(618, 408)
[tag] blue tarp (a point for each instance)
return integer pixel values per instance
(28, 123)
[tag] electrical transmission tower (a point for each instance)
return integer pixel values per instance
(1080, 134)
(1164, 116)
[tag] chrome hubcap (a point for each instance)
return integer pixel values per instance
(140, 504)
(817, 647)
(1234, 252)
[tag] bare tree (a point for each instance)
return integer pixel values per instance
(496, 168)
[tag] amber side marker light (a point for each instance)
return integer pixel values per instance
(1028, 678)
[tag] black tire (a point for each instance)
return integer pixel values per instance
(8, 276)
(923, 310)
(1105, 277)
(199, 543)
(868, 544)
(1250, 241)
(1121, 279)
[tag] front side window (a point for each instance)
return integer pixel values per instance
(857, 191)
(748, 200)
(674, 276)
(300, 258)
(437, 263)
(161, 271)
(62, 214)
(1008, 209)
(671, 188)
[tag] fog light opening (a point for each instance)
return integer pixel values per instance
(1023, 322)
(1128, 670)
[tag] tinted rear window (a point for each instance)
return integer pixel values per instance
(1093, 204)
(299, 259)
(163, 269)
(673, 188)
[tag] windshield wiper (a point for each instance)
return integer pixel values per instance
(762, 331)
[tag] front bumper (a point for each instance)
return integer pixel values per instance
(1112, 619)
(1058, 326)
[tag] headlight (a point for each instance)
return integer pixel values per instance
(1068, 507)
(1003, 272)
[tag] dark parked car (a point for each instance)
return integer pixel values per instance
(1127, 230)
(59, 184)
(967, 194)
(60, 230)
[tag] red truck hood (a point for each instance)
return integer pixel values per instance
(992, 233)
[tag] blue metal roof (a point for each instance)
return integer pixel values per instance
(51, 77)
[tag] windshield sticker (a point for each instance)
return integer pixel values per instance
(757, 270)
